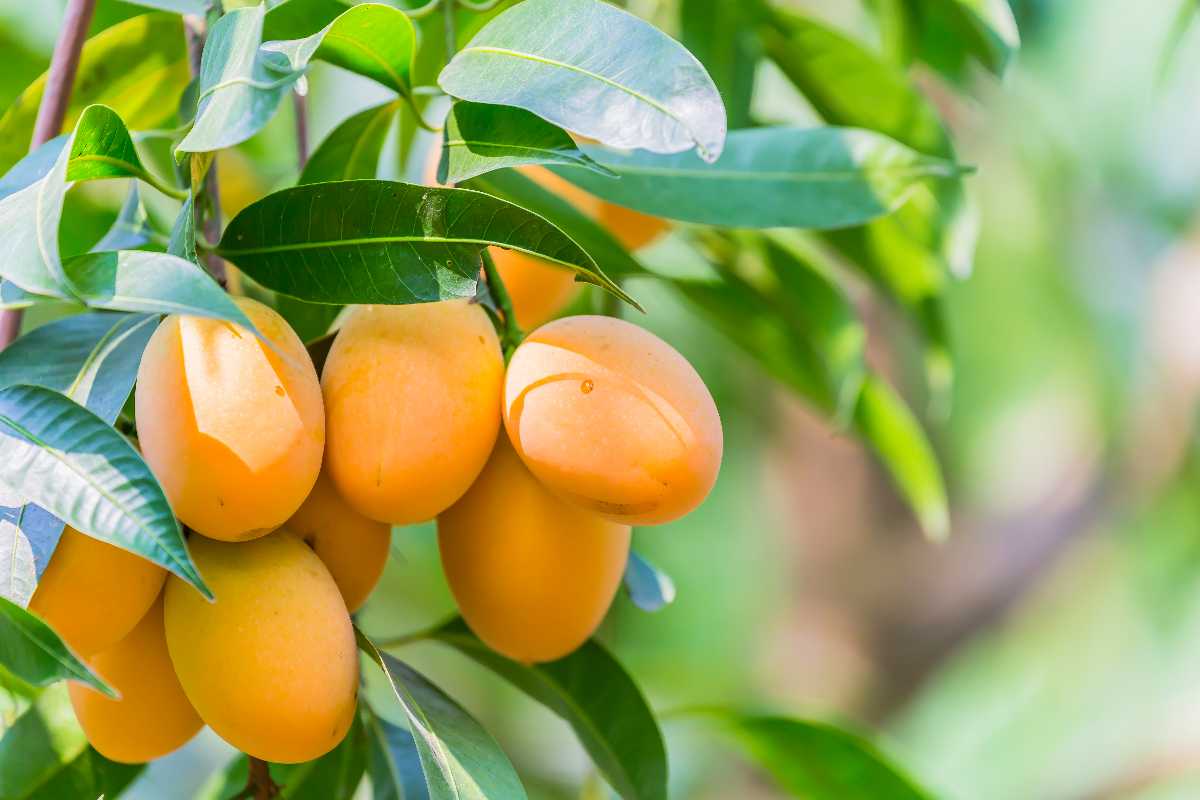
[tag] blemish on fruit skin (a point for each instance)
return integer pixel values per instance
(587, 386)
(279, 391)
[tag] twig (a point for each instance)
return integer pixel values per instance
(300, 105)
(449, 9)
(259, 785)
(208, 205)
(53, 109)
(512, 331)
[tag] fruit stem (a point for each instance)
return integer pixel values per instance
(53, 109)
(208, 204)
(512, 331)
(259, 785)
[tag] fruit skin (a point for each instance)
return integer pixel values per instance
(94, 593)
(533, 575)
(233, 432)
(538, 288)
(412, 397)
(271, 665)
(353, 548)
(153, 716)
(613, 419)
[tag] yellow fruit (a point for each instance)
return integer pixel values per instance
(412, 398)
(233, 432)
(613, 419)
(93, 593)
(353, 547)
(271, 665)
(533, 575)
(538, 288)
(152, 716)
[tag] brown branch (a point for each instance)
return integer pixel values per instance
(259, 785)
(208, 203)
(53, 109)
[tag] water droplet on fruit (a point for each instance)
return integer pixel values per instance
(586, 387)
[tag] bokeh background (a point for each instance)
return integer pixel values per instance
(1052, 648)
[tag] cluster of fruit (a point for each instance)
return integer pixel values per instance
(289, 485)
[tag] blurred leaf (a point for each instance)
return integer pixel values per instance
(34, 653)
(242, 83)
(460, 759)
(770, 177)
(649, 588)
(395, 762)
(138, 68)
(182, 243)
(892, 431)
(385, 242)
(1185, 18)
(197, 7)
(352, 150)
(13, 296)
(721, 34)
(596, 70)
(33, 167)
(986, 29)
(152, 283)
(43, 741)
(592, 692)
(592, 236)
(817, 761)
(57, 454)
(131, 228)
(89, 775)
(482, 138)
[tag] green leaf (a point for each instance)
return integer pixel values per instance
(817, 761)
(385, 242)
(243, 83)
(34, 653)
(296, 19)
(769, 178)
(481, 138)
(649, 588)
(18, 575)
(890, 428)
(197, 7)
(394, 763)
(986, 29)
(594, 238)
(460, 759)
(596, 70)
(309, 320)
(131, 228)
(592, 692)
(138, 67)
(44, 740)
(101, 148)
(182, 243)
(150, 283)
(57, 454)
(13, 296)
(721, 34)
(89, 775)
(352, 150)
(29, 254)
(33, 167)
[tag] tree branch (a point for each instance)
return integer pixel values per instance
(300, 105)
(53, 109)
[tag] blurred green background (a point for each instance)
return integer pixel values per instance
(1052, 648)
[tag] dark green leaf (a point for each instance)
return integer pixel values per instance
(42, 742)
(385, 242)
(890, 428)
(352, 150)
(57, 454)
(34, 653)
(138, 68)
(482, 138)
(596, 70)
(721, 34)
(309, 320)
(152, 283)
(817, 761)
(131, 228)
(649, 588)
(594, 238)
(460, 759)
(296, 19)
(102, 148)
(89, 775)
(769, 178)
(395, 762)
(597, 698)
(986, 29)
